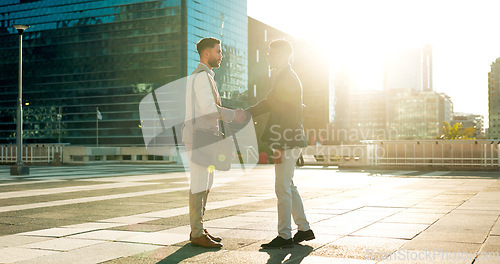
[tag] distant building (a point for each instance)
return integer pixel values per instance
(367, 116)
(80, 55)
(397, 114)
(409, 69)
(311, 67)
(341, 107)
(414, 115)
(470, 120)
(494, 100)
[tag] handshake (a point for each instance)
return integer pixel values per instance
(240, 115)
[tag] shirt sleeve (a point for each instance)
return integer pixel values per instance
(206, 102)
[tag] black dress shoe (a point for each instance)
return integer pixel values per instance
(279, 242)
(303, 236)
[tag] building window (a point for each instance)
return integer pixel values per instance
(255, 90)
(265, 35)
(257, 55)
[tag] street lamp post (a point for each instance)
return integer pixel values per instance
(19, 168)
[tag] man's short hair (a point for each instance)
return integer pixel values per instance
(206, 43)
(282, 45)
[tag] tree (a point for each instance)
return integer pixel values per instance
(456, 132)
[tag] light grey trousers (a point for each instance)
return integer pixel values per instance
(289, 200)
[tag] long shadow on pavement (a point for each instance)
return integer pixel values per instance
(297, 254)
(186, 252)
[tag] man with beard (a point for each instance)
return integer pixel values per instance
(203, 104)
(285, 135)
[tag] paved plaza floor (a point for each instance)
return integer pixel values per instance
(138, 214)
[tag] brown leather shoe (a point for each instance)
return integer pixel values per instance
(214, 238)
(205, 241)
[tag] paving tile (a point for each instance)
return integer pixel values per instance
(17, 240)
(245, 257)
(431, 245)
(157, 238)
(353, 247)
(392, 230)
(93, 254)
(325, 211)
(398, 202)
(166, 213)
(95, 225)
(246, 217)
(439, 210)
(464, 237)
(225, 223)
(186, 229)
(322, 260)
(493, 240)
(55, 232)
(419, 257)
(162, 252)
(13, 254)
(129, 219)
(62, 244)
(345, 219)
(339, 229)
(321, 240)
(264, 214)
(496, 229)
(412, 218)
(488, 257)
(266, 225)
(131, 260)
(241, 233)
(141, 227)
(108, 235)
(371, 214)
(455, 227)
(58, 190)
(228, 242)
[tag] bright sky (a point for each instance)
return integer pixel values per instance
(359, 33)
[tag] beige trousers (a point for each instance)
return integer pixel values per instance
(201, 180)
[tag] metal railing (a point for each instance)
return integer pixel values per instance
(32, 153)
(401, 154)
(453, 154)
(449, 153)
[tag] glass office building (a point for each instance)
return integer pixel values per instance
(84, 55)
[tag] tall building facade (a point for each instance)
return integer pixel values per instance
(367, 116)
(396, 114)
(409, 69)
(494, 100)
(260, 36)
(80, 55)
(413, 115)
(340, 117)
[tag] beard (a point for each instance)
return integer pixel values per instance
(214, 63)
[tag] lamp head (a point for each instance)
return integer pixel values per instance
(21, 28)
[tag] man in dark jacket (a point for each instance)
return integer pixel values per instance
(285, 134)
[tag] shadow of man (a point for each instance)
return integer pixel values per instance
(186, 252)
(297, 254)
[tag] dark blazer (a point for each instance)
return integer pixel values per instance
(284, 128)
